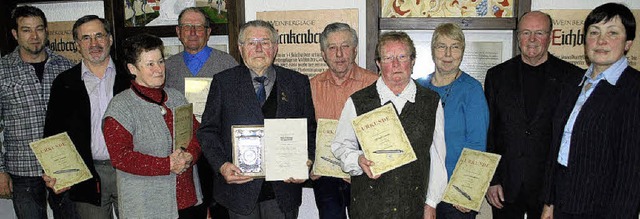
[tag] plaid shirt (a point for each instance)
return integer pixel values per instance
(23, 104)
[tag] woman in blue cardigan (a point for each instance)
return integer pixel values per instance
(466, 115)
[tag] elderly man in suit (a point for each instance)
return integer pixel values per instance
(522, 94)
(246, 95)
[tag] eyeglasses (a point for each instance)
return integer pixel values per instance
(252, 43)
(190, 27)
(528, 33)
(400, 58)
(455, 48)
(98, 37)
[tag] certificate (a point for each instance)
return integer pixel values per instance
(182, 126)
(286, 152)
(326, 164)
(383, 139)
(248, 149)
(60, 160)
(471, 178)
(196, 90)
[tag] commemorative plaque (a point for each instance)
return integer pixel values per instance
(248, 149)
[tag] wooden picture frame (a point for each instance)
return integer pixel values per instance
(115, 13)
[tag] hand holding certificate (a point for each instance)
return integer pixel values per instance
(383, 140)
(60, 160)
(471, 178)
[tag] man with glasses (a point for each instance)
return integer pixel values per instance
(522, 95)
(26, 75)
(246, 95)
(79, 98)
(198, 61)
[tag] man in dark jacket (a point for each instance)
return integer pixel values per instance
(79, 98)
(246, 95)
(522, 94)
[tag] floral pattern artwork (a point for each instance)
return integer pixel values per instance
(447, 8)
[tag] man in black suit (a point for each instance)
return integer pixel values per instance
(79, 98)
(246, 95)
(522, 94)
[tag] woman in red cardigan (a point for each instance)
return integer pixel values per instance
(154, 180)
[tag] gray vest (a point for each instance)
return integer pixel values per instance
(400, 193)
(146, 196)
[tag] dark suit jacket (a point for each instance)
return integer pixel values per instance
(69, 110)
(232, 101)
(603, 173)
(523, 142)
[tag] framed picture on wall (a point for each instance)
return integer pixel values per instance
(160, 18)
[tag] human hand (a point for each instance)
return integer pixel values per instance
(365, 164)
(462, 209)
(298, 181)
(51, 182)
(429, 212)
(177, 163)
(314, 177)
(233, 175)
(6, 186)
(187, 157)
(547, 212)
(495, 196)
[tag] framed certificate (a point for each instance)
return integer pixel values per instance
(248, 149)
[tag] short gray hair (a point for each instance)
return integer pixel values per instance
(337, 27)
(258, 23)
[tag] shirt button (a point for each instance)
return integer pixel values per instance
(527, 132)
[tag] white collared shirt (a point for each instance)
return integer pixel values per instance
(345, 144)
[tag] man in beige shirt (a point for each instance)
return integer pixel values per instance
(330, 90)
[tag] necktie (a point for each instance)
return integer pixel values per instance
(261, 92)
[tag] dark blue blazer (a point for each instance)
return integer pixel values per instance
(69, 110)
(603, 173)
(232, 101)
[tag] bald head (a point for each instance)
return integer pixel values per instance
(534, 37)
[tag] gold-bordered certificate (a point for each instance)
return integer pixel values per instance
(248, 149)
(471, 178)
(286, 152)
(383, 139)
(182, 126)
(325, 163)
(196, 90)
(60, 159)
